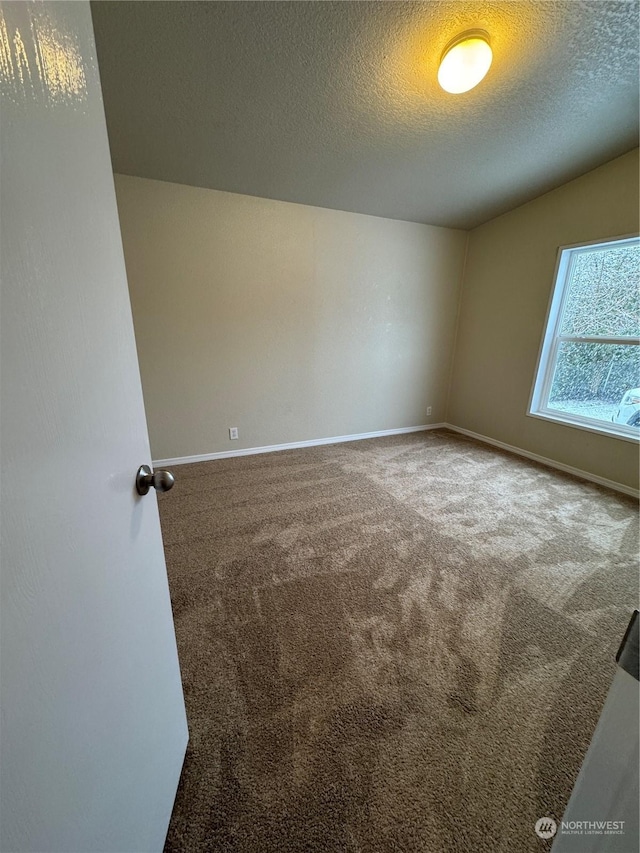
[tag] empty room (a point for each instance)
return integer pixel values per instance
(320, 413)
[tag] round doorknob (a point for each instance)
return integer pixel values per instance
(161, 481)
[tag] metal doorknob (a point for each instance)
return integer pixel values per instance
(161, 481)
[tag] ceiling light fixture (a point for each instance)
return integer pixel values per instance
(465, 61)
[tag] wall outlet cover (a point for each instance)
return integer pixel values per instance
(233, 432)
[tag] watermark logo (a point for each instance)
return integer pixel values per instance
(592, 827)
(546, 827)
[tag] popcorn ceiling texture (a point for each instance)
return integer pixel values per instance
(337, 104)
(391, 646)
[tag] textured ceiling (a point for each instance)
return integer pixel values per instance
(337, 104)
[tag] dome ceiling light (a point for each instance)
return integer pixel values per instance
(465, 61)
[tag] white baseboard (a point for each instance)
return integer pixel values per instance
(338, 439)
(551, 463)
(292, 445)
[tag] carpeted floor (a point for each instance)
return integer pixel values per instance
(400, 644)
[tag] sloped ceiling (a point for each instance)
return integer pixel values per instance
(337, 104)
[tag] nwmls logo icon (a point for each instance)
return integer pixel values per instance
(546, 827)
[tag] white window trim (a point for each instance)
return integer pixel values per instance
(542, 379)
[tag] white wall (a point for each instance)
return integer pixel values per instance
(287, 321)
(507, 284)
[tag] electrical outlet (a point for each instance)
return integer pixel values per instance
(233, 432)
(428, 410)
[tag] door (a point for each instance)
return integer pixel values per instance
(93, 728)
(602, 815)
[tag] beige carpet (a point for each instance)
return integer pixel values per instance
(400, 644)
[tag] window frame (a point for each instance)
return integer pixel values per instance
(551, 340)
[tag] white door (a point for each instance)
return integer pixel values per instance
(93, 729)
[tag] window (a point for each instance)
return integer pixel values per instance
(589, 368)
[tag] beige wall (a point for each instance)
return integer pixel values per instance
(289, 322)
(508, 281)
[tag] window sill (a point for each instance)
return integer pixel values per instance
(590, 425)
